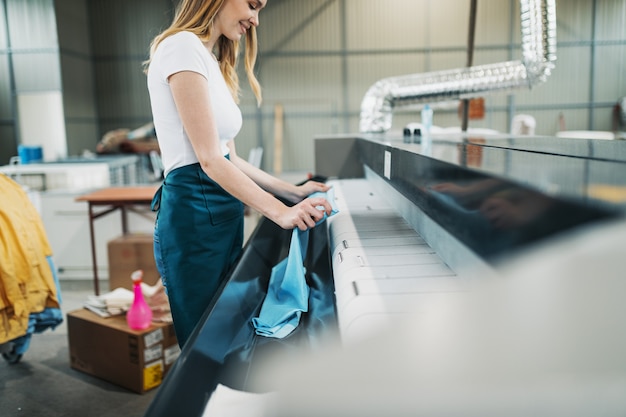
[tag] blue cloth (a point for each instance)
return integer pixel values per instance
(330, 197)
(288, 293)
(49, 318)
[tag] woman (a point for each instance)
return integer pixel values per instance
(194, 90)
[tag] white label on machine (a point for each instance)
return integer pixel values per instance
(388, 165)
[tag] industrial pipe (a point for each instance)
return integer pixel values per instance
(538, 24)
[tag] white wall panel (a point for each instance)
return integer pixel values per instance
(32, 24)
(603, 117)
(390, 24)
(298, 26)
(611, 20)
(298, 150)
(490, 56)
(574, 20)
(302, 80)
(449, 23)
(304, 87)
(610, 77)
(548, 120)
(493, 21)
(365, 70)
(447, 60)
(568, 84)
(42, 123)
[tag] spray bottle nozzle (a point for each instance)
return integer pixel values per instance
(137, 275)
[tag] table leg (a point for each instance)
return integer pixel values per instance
(96, 282)
(124, 220)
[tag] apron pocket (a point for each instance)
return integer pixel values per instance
(223, 207)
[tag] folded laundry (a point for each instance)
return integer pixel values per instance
(118, 302)
(288, 293)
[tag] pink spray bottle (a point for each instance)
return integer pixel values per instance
(139, 316)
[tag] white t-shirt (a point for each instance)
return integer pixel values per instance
(184, 51)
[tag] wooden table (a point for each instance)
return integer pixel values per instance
(114, 198)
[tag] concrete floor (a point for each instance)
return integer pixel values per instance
(43, 384)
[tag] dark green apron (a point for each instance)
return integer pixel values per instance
(198, 237)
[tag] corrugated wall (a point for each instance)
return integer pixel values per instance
(79, 99)
(121, 33)
(29, 62)
(319, 57)
(8, 134)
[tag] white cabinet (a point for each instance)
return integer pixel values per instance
(67, 226)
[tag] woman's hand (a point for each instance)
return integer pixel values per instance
(306, 189)
(305, 214)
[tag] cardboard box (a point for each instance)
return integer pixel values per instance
(127, 254)
(108, 349)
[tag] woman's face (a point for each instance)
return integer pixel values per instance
(237, 16)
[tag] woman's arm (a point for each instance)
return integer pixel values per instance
(190, 92)
(276, 186)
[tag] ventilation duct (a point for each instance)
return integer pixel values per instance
(538, 23)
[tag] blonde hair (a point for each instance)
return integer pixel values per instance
(197, 16)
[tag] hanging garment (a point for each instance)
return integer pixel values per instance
(27, 283)
(49, 318)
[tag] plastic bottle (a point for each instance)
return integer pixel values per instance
(139, 316)
(406, 135)
(427, 119)
(427, 122)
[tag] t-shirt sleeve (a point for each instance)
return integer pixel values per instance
(182, 52)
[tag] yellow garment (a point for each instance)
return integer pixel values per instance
(26, 280)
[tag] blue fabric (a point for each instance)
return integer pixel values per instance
(330, 197)
(55, 276)
(49, 318)
(288, 293)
